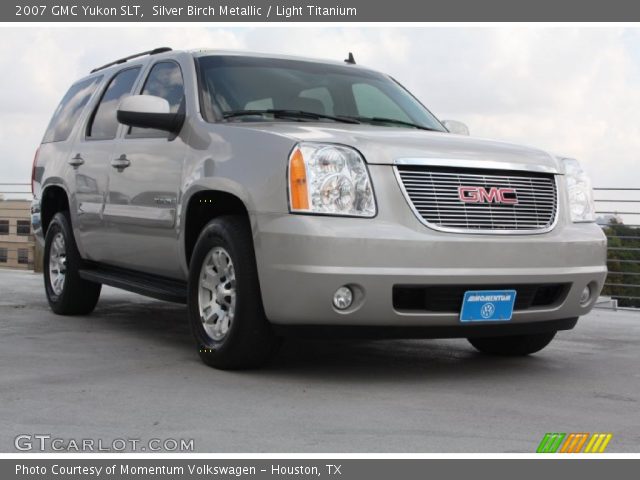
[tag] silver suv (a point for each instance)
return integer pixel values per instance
(285, 196)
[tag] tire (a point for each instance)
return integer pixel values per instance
(67, 293)
(514, 346)
(225, 304)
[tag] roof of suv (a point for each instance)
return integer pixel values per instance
(167, 52)
(243, 53)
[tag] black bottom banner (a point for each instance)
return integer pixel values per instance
(369, 469)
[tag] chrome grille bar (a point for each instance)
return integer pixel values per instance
(432, 192)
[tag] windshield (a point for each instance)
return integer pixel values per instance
(243, 88)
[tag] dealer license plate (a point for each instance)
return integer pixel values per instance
(487, 305)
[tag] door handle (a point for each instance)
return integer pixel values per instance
(76, 161)
(121, 163)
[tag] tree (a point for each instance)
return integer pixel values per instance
(624, 264)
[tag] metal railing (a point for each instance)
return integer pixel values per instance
(618, 211)
(15, 191)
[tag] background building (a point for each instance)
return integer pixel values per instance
(17, 245)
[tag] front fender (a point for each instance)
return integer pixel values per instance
(248, 163)
(223, 185)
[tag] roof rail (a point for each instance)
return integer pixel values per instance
(155, 51)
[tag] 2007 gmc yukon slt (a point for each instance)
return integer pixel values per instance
(278, 195)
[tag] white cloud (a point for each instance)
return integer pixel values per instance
(574, 91)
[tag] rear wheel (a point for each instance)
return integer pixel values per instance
(225, 304)
(512, 346)
(67, 293)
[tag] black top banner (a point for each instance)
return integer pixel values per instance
(348, 11)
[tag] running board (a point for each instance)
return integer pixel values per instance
(153, 286)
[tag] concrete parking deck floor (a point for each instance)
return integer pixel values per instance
(130, 371)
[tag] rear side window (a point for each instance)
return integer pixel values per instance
(164, 81)
(69, 110)
(104, 123)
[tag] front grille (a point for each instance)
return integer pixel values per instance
(434, 194)
(448, 298)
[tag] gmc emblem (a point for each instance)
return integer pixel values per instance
(505, 196)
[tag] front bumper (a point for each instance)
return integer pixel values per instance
(302, 260)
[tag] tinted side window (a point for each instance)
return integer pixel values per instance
(164, 81)
(69, 110)
(104, 123)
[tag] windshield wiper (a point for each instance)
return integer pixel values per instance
(289, 113)
(393, 121)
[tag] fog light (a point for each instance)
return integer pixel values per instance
(585, 296)
(343, 298)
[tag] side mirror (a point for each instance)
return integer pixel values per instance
(456, 127)
(148, 111)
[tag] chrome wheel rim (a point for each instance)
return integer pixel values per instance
(57, 264)
(217, 293)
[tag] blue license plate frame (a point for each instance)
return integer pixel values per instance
(487, 306)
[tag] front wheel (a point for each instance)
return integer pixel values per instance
(513, 346)
(225, 304)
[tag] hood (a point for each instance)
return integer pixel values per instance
(389, 145)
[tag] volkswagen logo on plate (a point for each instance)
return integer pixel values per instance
(487, 310)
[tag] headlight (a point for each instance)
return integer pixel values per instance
(331, 180)
(579, 190)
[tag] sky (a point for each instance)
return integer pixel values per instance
(572, 91)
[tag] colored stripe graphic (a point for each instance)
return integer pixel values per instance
(574, 442)
(598, 443)
(550, 442)
(581, 443)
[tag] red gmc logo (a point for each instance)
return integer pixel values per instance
(505, 196)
